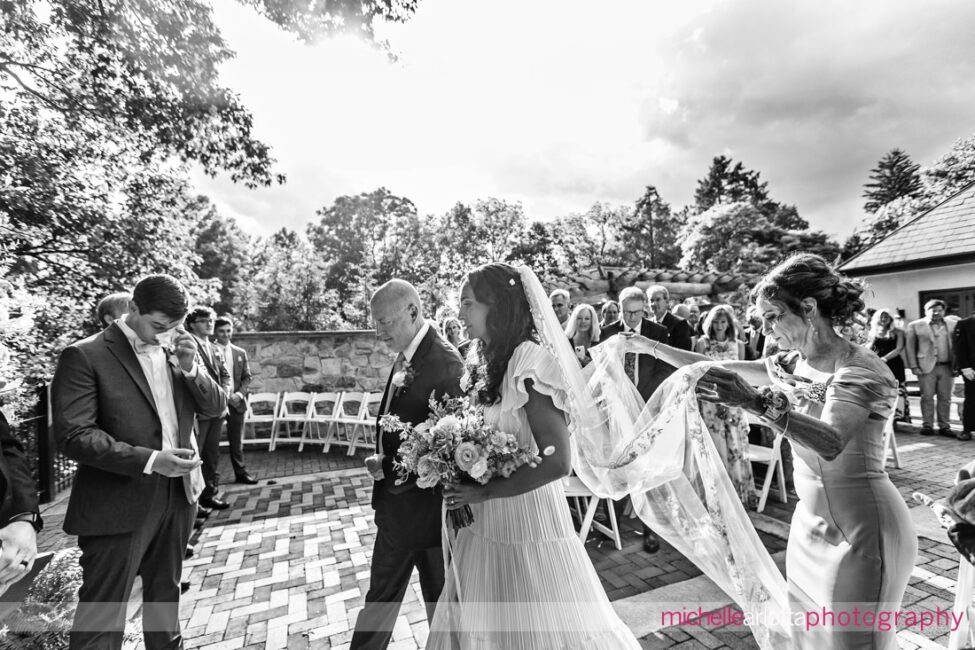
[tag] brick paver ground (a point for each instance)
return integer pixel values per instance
(287, 565)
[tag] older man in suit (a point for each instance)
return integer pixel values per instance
(407, 517)
(236, 363)
(930, 357)
(124, 406)
(680, 334)
(645, 370)
(200, 323)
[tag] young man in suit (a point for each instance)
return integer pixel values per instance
(124, 406)
(645, 370)
(235, 361)
(199, 322)
(407, 518)
(679, 331)
(965, 363)
(930, 357)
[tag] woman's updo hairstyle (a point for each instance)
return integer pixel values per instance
(509, 323)
(805, 275)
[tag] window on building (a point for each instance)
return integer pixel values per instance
(961, 302)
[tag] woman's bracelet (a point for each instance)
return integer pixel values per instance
(774, 404)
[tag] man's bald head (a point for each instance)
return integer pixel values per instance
(398, 313)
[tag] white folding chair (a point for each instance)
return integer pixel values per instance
(577, 490)
(294, 407)
(349, 417)
(323, 409)
(890, 441)
(371, 404)
(262, 408)
(772, 456)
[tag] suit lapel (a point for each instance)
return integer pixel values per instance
(179, 390)
(120, 347)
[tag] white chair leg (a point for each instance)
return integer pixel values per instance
(587, 521)
(893, 450)
(614, 525)
(274, 435)
(769, 473)
(780, 470)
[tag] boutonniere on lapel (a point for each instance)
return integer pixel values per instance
(403, 378)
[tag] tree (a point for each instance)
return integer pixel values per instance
(896, 175)
(288, 291)
(223, 252)
(649, 234)
(946, 176)
(725, 183)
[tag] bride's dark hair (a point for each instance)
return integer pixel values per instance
(509, 323)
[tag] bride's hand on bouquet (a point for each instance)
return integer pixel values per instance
(726, 387)
(465, 494)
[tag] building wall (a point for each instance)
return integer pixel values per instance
(316, 361)
(900, 289)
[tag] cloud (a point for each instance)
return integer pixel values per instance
(559, 103)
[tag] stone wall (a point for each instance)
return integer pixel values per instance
(316, 361)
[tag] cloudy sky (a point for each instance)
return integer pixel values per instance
(562, 103)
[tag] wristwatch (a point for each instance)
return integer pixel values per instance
(32, 518)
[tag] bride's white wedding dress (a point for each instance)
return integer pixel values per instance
(519, 577)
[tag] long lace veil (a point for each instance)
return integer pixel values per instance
(662, 456)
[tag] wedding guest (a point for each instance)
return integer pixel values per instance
(199, 322)
(679, 333)
(235, 360)
(754, 337)
(852, 540)
(694, 318)
(124, 412)
(887, 342)
(407, 518)
(610, 313)
(929, 356)
(111, 308)
(560, 304)
(728, 425)
(643, 369)
(20, 518)
(680, 310)
(965, 362)
(583, 331)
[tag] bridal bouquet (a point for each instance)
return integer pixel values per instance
(453, 445)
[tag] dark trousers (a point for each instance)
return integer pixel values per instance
(968, 408)
(110, 563)
(235, 438)
(389, 577)
(208, 436)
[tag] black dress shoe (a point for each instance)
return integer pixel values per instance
(198, 523)
(650, 543)
(946, 432)
(214, 504)
(202, 513)
(927, 431)
(246, 479)
(189, 553)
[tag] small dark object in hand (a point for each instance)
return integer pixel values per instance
(962, 535)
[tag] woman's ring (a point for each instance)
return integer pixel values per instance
(24, 563)
(451, 502)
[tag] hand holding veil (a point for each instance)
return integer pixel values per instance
(662, 456)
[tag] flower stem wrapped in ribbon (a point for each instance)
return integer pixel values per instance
(452, 446)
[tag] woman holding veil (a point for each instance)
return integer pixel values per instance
(852, 543)
(519, 576)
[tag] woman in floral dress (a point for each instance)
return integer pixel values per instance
(728, 425)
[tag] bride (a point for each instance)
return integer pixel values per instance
(519, 576)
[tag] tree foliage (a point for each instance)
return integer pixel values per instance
(895, 175)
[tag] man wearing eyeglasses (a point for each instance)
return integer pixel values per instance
(644, 370)
(199, 322)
